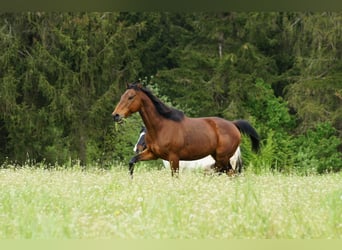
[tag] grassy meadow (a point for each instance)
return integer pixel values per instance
(107, 204)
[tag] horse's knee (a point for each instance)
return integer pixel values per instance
(133, 161)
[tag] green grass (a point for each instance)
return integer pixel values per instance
(97, 204)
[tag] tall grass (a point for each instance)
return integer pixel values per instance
(98, 204)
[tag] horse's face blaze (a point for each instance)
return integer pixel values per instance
(130, 102)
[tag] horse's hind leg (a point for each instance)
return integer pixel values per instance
(218, 166)
(222, 165)
(223, 157)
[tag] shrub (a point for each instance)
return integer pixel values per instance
(317, 150)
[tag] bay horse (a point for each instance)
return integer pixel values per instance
(204, 163)
(172, 136)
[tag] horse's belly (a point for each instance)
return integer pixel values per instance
(197, 148)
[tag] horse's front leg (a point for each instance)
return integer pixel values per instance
(174, 163)
(143, 156)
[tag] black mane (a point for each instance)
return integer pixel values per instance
(162, 109)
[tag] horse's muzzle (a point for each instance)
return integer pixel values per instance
(117, 117)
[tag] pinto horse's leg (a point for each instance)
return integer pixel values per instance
(230, 171)
(143, 156)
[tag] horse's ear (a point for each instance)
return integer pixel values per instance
(139, 85)
(127, 85)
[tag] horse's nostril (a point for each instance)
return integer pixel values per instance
(116, 117)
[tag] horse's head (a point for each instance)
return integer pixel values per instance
(130, 102)
(141, 144)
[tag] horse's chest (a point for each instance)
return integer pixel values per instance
(160, 147)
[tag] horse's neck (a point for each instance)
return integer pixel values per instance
(151, 118)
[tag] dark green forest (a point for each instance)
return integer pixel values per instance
(61, 75)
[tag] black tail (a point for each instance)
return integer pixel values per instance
(247, 129)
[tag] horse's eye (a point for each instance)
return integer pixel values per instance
(131, 97)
